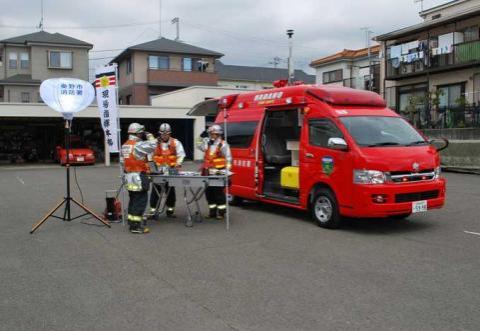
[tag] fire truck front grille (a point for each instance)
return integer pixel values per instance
(408, 177)
(417, 196)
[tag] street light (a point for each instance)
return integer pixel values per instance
(290, 60)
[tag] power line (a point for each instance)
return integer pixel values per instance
(83, 27)
(107, 50)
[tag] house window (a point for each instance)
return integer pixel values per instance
(129, 99)
(158, 62)
(471, 33)
(24, 61)
(200, 65)
(412, 96)
(12, 60)
(451, 97)
(333, 76)
(60, 60)
(187, 64)
(129, 65)
(25, 97)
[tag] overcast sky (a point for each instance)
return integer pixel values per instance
(248, 32)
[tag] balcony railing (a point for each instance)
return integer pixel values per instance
(461, 54)
(181, 78)
(363, 83)
(444, 117)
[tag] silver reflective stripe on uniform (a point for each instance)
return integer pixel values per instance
(180, 152)
(133, 181)
(222, 207)
(143, 148)
(212, 206)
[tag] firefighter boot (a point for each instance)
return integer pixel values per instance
(212, 211)
(152, 214)
(221, 212)
(140, 229)
(171, 212)
(137, 227)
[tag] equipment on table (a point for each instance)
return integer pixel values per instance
(193, 185)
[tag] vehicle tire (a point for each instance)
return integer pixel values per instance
(401, 216)
(234, 200)
(324, 209)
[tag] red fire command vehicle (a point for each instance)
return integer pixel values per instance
(333, 151)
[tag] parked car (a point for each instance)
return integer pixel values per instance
(79, 153)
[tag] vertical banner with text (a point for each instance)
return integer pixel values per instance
(105, 84)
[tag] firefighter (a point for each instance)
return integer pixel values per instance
(135, 151)
(169, 154)
(217, 157)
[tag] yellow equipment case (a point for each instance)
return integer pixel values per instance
(289, 178)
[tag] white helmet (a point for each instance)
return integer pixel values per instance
(135, 128)
(165, 128)
(215, 129)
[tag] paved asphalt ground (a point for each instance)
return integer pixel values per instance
(274, 270)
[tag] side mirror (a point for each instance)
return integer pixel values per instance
(337, 143)
(439, 143)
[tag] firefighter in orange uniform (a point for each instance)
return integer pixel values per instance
(135, 151)
(168, 154)
(218, 158)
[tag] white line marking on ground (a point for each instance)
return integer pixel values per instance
(476, 233)
(21, 180)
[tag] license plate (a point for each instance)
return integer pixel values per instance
(419, 206)
(80, 159)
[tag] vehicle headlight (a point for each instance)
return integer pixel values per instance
(90, 155)
(438, 172)
(368, 177)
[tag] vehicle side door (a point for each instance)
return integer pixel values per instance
(242, 140)
(321, 163)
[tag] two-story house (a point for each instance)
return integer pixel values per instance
(255, 78)
(25, 61)
(355, 68)
(431, 71)
(161, 66)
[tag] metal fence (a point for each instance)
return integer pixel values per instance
(442, 118)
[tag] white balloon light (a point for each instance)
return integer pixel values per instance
(67, 95)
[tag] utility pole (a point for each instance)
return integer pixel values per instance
(421, 4)
(368, 34)
(290, 59)
(40, 25)
(159, 19)
(176, 21)
(276, 61)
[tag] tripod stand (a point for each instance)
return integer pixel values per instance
(68, 200)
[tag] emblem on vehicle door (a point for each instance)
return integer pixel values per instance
(416, 166)
(327, 165)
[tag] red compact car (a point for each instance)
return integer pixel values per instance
(79, 154)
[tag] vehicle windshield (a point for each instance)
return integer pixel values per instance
(375, 131)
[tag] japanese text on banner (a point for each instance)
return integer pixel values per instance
(105, 82)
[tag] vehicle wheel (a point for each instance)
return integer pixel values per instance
(234, 200)
(324, 209)
(401, 216)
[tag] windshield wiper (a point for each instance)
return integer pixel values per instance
(386, 143)
(417, 142)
